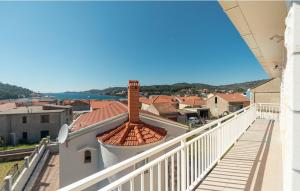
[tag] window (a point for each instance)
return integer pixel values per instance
(216, 100)
(24, 119)
(44, 118)
(24, 136)
(44, 134)
(87, 156)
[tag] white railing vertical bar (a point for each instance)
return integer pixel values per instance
(192, 162)
(132, 184)
(199, 158)
(159, 184)
(178, 171)
(143, 181)
(183, 165)
(151, 179)
(166, 175)
(173, 173)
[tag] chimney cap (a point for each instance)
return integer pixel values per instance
(133, 83)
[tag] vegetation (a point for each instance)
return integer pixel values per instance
(23, 146)
(180, 88)
(6, 166)
(8, 91)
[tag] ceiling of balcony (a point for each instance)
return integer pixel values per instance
(261, 24)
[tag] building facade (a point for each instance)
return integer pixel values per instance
(30, 124)
(224, 103)
(268, 92)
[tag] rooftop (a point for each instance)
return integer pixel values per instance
(99, 104)
(7, 106)
(192, 100)
(108, 110)
(131, 134)
(158, 99)
(30, 109)
(233, 97)
(165, 108)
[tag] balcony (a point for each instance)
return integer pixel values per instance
(241, 151)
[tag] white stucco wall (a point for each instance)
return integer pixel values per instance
(290, 105)
(72, 167)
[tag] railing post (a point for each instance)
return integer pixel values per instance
(8, 183)
(221, 141)
(37, 149)
(183, 165)
(26, 159)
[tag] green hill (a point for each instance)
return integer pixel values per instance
(8, 91)
(180, 88)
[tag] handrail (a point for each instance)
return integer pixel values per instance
(108, 172)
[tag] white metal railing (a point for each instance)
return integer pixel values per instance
(183, 161)
(268, 111)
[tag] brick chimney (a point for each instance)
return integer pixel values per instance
(133, 101)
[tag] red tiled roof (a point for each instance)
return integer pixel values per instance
(158, 99)
(99, 104)
(76, 102)
(193, 100)
(233, 97)
(130, 134)
(112, 109)
(7, 106)
(38, 102)
(165, 108)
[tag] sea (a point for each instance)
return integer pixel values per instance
(81, 95)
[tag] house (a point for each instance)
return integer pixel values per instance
(268, 92)
(224, 103)
(77, 105)
(146, 102)
(111, 134)
(166, 110)
(191, 102)
(30, 124)
(99, 104)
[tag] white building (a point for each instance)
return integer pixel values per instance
(107, 136)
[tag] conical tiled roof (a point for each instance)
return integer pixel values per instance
(131, 134)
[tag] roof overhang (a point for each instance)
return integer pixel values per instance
(261, 24)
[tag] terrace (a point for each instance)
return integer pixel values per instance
(236, 152)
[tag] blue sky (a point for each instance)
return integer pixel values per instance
(60, 46)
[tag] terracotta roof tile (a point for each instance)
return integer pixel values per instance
(7, 106)
(193, 101)
(98, 104)
(233, 97)
(131, 134)
(165, 108)
(112, 109)
(158, 99)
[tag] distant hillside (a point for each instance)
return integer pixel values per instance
(8, 91)
(180, 88)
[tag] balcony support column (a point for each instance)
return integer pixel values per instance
(290, 104)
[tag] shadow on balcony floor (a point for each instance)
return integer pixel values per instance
(48, 179)
(253, 163)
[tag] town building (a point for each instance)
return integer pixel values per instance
(224, 103)
(166, 110)
(268, 92)
(77, 105)
(113, 133)
(30, 124)
(191, 102)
